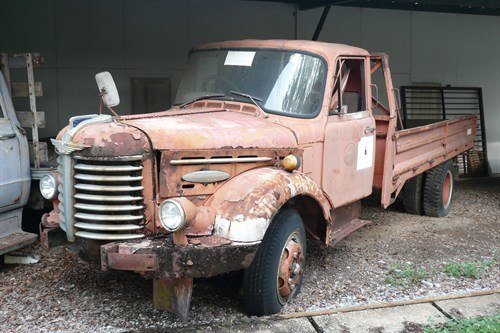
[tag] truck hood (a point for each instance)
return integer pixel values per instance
(189, 129)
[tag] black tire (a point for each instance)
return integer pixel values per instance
(260, 283)
(438, 190)
(413, 196)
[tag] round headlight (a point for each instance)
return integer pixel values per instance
(48, 187)
(172, 215)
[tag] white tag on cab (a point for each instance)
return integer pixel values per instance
(239, 58)
(365, 153)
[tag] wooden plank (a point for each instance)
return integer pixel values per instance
(388, 304)
(34, 129)
(18, 60)
(26, 118)
(21, 89)
(43, 154)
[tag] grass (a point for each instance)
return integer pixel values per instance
(404, 274)
(468, 269)
(473, 325)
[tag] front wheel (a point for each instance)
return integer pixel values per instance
(276, 273)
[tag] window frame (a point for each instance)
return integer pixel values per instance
(337, 82)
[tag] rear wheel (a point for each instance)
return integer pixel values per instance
(438, 190)
(276, 273)
(412, 195)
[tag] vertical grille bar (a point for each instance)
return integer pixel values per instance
(65, 199)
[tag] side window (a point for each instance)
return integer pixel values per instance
(352, 86)
(3, 111)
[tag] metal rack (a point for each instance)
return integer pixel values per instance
(429, 104)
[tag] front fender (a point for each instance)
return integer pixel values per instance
(245, 206)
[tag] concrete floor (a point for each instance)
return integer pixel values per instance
(393, 319)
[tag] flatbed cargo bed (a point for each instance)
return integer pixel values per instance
(415, 150)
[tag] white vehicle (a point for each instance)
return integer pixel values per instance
(15, 177)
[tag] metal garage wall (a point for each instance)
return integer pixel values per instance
(455, 49)
(150, 38)
(130, 38)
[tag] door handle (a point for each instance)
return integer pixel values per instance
(7, 136)
(369, 130)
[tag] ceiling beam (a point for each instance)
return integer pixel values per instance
(321, 21)
(478, 7)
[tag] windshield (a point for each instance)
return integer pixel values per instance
(286, 82)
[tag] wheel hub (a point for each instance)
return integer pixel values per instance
(290, 268)
(447, 189)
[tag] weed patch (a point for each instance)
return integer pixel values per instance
(468, 269)
(473, 325)
(404, 274)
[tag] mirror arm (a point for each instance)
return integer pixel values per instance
(112, 111)
(102, 95)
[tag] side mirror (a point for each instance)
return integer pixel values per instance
(107, 88)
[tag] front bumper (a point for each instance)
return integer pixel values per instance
(161, 258)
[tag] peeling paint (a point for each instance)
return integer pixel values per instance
(241, 229)
(246, 204)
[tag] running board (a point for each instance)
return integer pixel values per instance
(347, 229)
(345, 221)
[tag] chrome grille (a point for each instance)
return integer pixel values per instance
(108, 199)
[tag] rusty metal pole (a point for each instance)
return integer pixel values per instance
(173, 295)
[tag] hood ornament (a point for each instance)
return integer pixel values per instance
(66, 148)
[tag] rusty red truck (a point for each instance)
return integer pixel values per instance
(270, 143)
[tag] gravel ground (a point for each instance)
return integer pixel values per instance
(63, 293)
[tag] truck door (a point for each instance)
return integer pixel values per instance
(349, 146)
(11, 177)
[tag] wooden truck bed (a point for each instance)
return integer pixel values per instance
(409, 152)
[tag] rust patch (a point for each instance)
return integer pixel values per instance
(203, 223)
(171, 183)
(233, 129)
(245, 206)
(132, 262)
(209, 241)
(112, 139)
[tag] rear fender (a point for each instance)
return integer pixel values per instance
(245, 206)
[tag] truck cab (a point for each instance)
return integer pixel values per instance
(14, 176)
(269, 144)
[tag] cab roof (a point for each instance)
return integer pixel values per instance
(330, 51)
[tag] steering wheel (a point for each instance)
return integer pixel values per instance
(215, 83)
(313, 99)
